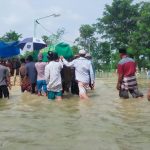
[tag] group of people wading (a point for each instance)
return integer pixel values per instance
(57, 75)
(52, 78)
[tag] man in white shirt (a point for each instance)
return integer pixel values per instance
(53, 78)
(83, 73)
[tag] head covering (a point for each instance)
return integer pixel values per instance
(122, 50)
(88, 55)
(40, 56)
(55, 56)
(22, 60)
(82, 51)
(50, 55)
(76, 56)
(29, 58)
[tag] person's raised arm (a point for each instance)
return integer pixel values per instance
(66, 63)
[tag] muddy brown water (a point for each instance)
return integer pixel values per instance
(105, 122)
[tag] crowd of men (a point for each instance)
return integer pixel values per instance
(52, 78)
(57, 75)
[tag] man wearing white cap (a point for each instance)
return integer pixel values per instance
(83, 72)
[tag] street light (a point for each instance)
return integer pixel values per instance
(36, 21)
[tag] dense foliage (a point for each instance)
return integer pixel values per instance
(10, 36)
(123, 24)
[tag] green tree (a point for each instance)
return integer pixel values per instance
(54, 38)
(127, 24)
(10, 36)
(102, 56)
(45, 38)
(123, 23)
(118, 22)
(75, 49)
(140, 39)
(86, 39)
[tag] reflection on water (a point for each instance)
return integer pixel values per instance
(105, 122)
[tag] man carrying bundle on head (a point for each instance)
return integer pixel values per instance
(126, 76)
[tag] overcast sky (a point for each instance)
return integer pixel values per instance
(19, 15)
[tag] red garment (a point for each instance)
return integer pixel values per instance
(25, 84)
(127, 67)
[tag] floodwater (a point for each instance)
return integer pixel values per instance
(105, 122)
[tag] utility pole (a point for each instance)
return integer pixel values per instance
(36, 21)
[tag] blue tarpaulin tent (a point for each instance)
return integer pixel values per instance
(9, 49)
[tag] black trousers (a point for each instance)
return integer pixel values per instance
(33, 85)
(74, 87)
(4, 92)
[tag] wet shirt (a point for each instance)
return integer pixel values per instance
(83, 69)
(31, 72)
(127, 67)
(40, 68)
(3, 74)
(53, 76)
